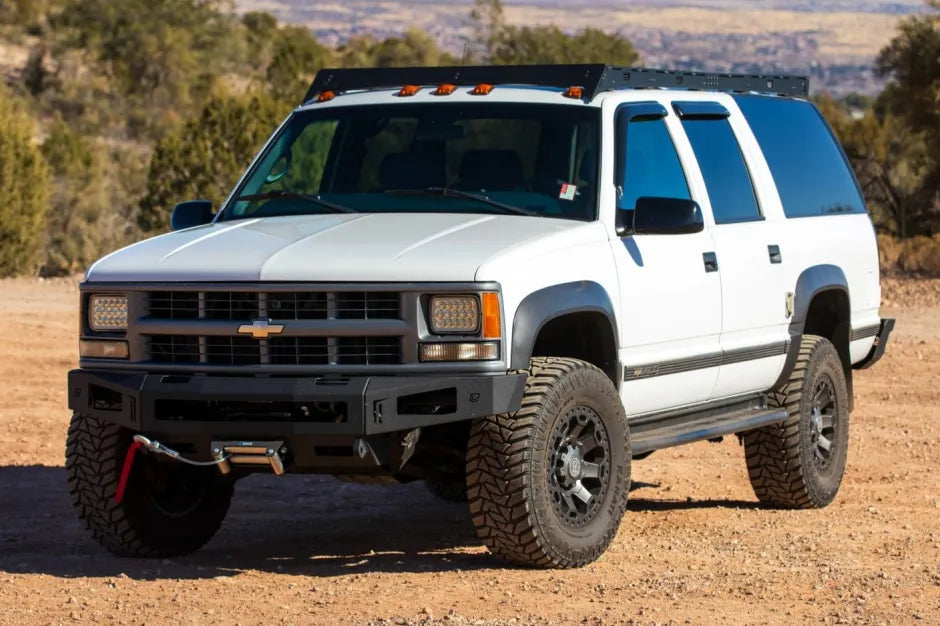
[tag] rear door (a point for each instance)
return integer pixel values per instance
(670, 299)
(750, 253)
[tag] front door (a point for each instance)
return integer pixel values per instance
(670, 293)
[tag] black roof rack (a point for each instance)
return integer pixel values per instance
(593, 78)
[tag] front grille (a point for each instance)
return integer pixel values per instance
(301, 305)
(237, 350)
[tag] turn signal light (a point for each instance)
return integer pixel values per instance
(95, 349)
(326, 96)
(574, 92)
(491, 323)
(459, 351)
(482, 89)
(409, 90)
(445, 90)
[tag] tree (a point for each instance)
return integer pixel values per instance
(24, 183)
(890, 162)
(204, 157)
(297, 56)
(159, 55)
(506, 44)
(912, 61)
(415, 48)
(84, 222)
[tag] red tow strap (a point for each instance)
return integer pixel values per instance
(126, 472)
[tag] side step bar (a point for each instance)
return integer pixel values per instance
(664, 430)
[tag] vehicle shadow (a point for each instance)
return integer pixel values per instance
(302, 525)
(299, 525)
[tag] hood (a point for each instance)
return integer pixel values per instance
(369, 247)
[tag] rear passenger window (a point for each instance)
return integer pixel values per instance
(808, 166)
(726, 177)
(651, 166)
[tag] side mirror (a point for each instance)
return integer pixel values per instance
(624, 224)
(192, 213)
(667, 216)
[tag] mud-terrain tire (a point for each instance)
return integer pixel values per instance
(448, 490)
(548, 484)
(169, 509)
(799, 463)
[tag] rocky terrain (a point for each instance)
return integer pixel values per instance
(694, 547)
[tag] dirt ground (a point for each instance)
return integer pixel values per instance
(694, 546)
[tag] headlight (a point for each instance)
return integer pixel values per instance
(455, 314)
(107, 312)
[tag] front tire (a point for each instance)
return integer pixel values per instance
(548, 484)
(169, 509)
(799, 463)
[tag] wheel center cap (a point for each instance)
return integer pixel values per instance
(816, 417)
(573, 467)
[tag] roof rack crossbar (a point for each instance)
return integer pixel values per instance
(593, 78)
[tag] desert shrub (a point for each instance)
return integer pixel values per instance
(915, 255)
(24, 184)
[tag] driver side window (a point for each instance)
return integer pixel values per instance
(651, 164)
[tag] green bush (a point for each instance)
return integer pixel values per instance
(204, 157)
(24, 191)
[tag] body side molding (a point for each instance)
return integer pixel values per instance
(542, 306)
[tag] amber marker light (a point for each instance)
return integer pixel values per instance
(574, 92)
(491, 322)
(445, 90)
(409, 90)
(482, 89)
(326, 96)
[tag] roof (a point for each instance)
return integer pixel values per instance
(592, 78)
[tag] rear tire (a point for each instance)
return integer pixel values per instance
(548, 484)
(169, 509)
(799, 463)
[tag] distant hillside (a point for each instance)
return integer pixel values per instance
(834, 41)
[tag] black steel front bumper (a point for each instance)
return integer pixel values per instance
(180, 406)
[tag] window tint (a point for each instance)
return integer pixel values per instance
(651, 164)
(726, 177)
(540, 158)
(808, 166)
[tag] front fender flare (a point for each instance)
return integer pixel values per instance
(544, 305)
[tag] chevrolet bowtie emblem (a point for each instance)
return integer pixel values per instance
(261, 329)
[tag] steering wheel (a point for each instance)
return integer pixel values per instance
(274, 176)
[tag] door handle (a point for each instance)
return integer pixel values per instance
(774, 252)
(711, 261)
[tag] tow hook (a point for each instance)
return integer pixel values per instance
(229, 453)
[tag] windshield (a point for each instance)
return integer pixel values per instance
(494, 158)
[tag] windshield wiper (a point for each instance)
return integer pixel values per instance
(447, 192)
(294, 195)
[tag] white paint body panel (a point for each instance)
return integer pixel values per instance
(367, 247)
(666, 307)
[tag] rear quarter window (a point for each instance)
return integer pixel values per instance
(809, 167)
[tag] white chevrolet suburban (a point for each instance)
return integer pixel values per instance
(508, 282)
